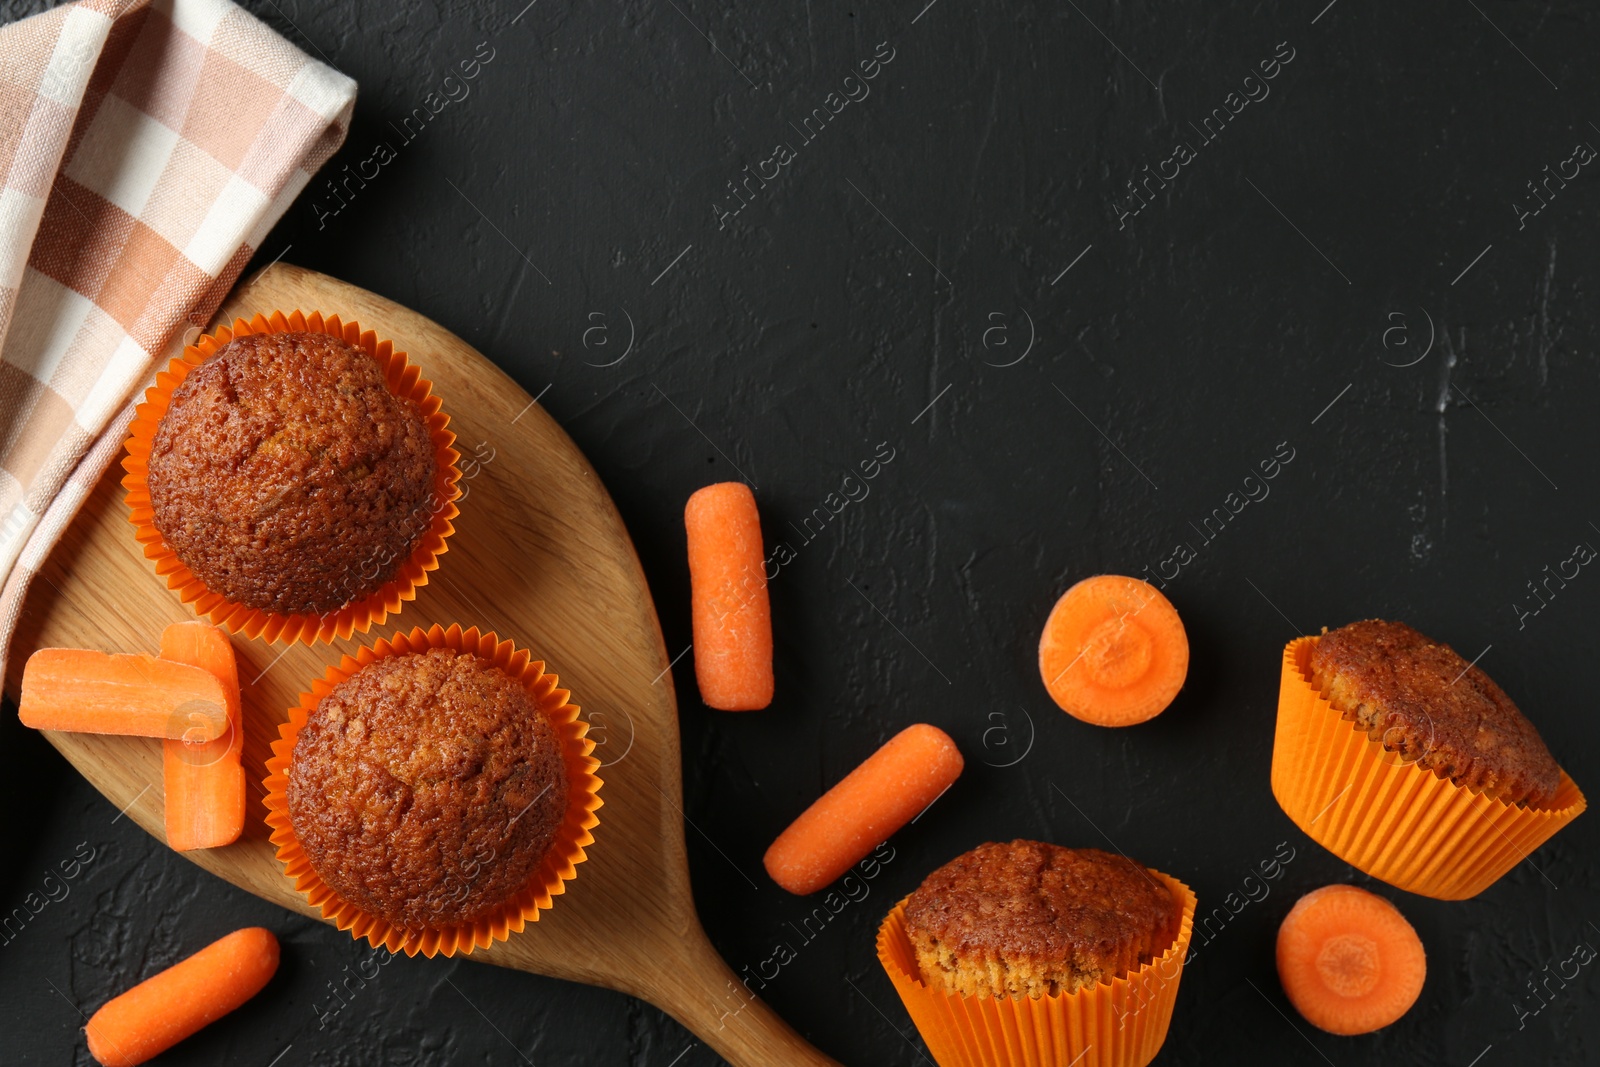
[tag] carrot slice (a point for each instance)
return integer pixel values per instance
(890, 788)
(166, 1008)
(1113, 652)
(88, 692)
(204, 780)
(728, 582)
(1349, 961)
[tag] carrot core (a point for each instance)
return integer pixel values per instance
(1348, 964)
(1116, 655)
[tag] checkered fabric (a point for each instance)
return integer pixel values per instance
(146, 148)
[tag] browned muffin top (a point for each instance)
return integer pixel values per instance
(1420, 699)
(426, 788)
(1029, 918)
(288, 477)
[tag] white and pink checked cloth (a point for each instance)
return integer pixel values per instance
(146, 148)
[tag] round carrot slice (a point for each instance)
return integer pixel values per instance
(1349, 961)
(1113, 651)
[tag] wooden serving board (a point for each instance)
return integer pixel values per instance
(539, 556)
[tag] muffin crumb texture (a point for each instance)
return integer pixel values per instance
(1034, 919)
(287, 477)
(427, 788)
(1418, 698)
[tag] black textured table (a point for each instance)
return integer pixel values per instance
(1069, 273)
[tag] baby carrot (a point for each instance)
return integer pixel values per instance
(83, 691)
(893, 786)
(166, 1008)
(204, 780)
(728, 580)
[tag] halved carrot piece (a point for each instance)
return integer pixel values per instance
(1113, 651)
(87, 692)
(204, 780)
(1349, 961)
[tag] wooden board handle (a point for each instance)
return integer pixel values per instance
(698, 988)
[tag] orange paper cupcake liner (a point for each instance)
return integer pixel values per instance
(1392, 819)
(403, 379)
(1120, 1023)
(561, 859)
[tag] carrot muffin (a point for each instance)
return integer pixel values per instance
(426, 788)
(1034, 919)
(288, 477)
(1420, 699)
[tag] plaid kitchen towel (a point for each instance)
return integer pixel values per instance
(146, 148)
